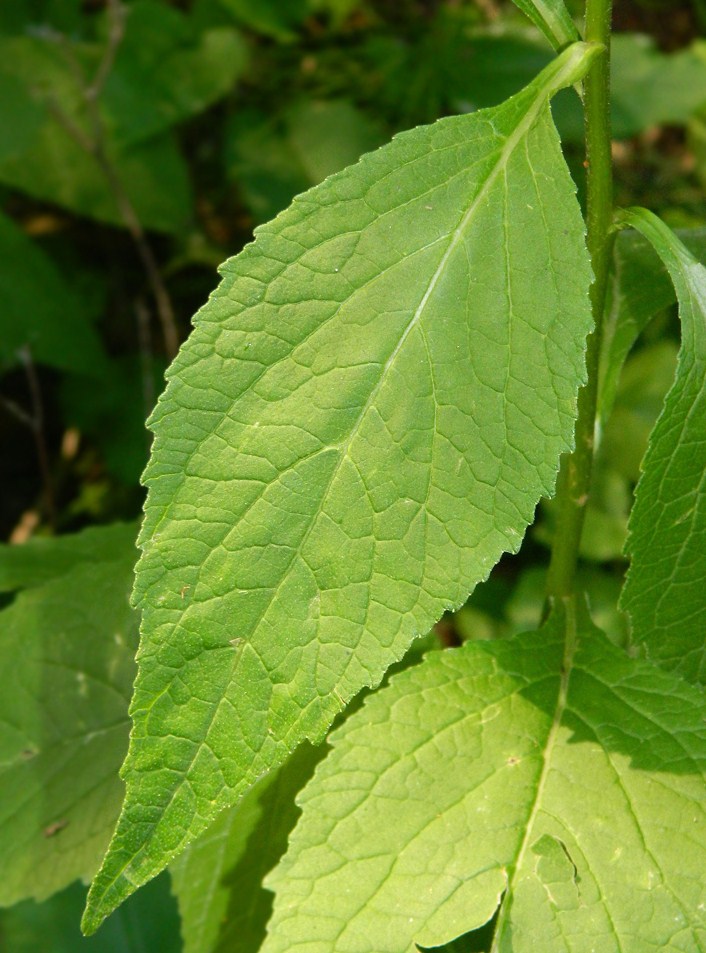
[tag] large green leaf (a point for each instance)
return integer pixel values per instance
(549, 775)
(218, 879)
(361, 423)
(67, 664)
(664, 592)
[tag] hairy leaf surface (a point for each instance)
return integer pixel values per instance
(549, 774)
(664, 592)
(361, 423)
(66, 670)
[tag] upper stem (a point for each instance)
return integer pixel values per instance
(574, 482)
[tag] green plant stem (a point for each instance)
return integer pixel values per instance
(574, 480)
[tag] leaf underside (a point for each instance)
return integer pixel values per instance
(664, 592)
(549, 774)
(362, 421)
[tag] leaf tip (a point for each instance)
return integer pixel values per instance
(105, 895)
(91, 920)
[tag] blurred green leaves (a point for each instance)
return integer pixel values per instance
(43, 318)
(67, 644)
(147, 923)
(162, 74)
(273, 159)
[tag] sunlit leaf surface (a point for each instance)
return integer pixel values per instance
(363, 420)
(548, 774)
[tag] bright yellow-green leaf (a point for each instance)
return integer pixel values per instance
(363, 420)
(548, 775)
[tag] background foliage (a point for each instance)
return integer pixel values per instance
(140, 143)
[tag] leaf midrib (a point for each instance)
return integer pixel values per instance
(343, 446)
(570, 644)
(523, 127)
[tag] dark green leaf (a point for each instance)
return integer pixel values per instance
(148, 923)
(114, 416)
(165, 72)
(276, 18)
(42, 317)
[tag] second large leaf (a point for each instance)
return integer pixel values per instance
(363, 420)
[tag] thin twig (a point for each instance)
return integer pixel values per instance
(116, 33)
(35, 422)
(95, 145)
(19, 413)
